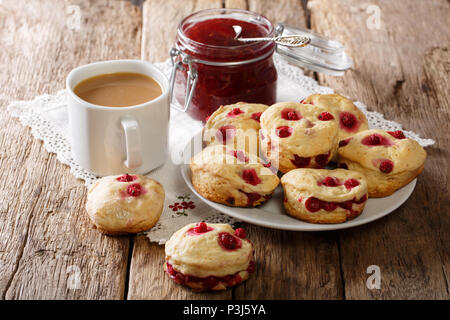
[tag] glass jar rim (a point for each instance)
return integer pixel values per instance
(182, 36)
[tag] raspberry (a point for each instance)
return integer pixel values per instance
(240, 232)
(346, 205)
(126, 178)
(347, 119)
(251, 177)
(351, 183)
(312, 204)
(330, 181)
(372, 140)
(386, 166)
(343, 143)
(322, 159)
(225, 133)
(201, 227)
(256, 116)
(325, 116)
(284, 131)
(397, 134)
(300, 162)
(228, 241)
(210, 282)
(235, 112)
(290, 114)
(134, 189)
(363, 199)
(343, 166)
(329, 206)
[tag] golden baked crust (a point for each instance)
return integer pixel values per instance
(242, 121)
(388, 166)
(340, 106)
(340, 194)
(292, 136)
(114, 211)
(193, 257)
(232, 177)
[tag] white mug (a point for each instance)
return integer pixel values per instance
(116, 140)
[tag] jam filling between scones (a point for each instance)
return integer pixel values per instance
(313, 204)
(209, 282)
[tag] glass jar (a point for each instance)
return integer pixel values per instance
(211, 68)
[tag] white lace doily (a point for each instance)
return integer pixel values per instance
(46, 115)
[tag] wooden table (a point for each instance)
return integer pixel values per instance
(401, 69)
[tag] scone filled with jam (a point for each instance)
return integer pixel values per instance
(324, 196)
(351, 119)
(295, 135)
(232, 177)
(235, 125)
(207, 256)
(388, 159)
(125, 204)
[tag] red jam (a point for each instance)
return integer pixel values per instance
(209, 282)
(208, 35)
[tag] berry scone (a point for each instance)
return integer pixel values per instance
(125, 204)
(324, 196)
(236, 125)
(209, 256)
(295, 135)
(351, 119)
(387, 158)
(232, 177)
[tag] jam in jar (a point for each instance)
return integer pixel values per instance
(219, 70)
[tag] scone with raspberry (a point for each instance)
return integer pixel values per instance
(235, 125)
(295, 135)
(125, 204)
(232, 177)
(388, 159)
(207, 256)
(351, 119)
(324, 196)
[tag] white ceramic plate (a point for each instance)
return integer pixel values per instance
(273, 215)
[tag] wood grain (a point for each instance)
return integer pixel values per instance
(410, 245)
(147, 279)
(291, 265)
(161, 19)
(45, 236)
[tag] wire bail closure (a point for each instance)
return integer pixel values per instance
(191, 81)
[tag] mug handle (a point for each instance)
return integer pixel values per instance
(132, 143)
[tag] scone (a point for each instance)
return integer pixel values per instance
(388, 159)
(294, 135)
(209, 256)
(235, 125)
(324, 196)
(232, 177)
(125, 204)
(351, 119)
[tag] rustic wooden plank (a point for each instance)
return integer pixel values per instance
(291, 265)
(410, 245)
(45, 236)
(287, 11)
(161, 19)
(236, 4)
(147, 279)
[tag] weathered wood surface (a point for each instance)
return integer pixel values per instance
(401, 70)
(45, 236)
(398, 73)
